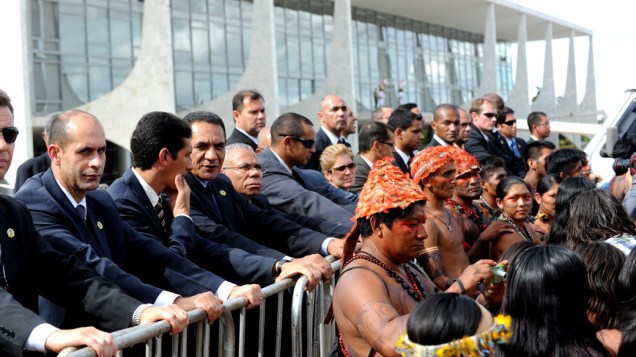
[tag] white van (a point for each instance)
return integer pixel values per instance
(600, 147)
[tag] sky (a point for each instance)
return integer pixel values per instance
(614, 41)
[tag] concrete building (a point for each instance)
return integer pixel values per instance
(120, 59)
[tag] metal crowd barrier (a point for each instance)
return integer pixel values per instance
(319, 338)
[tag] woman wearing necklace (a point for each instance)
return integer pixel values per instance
(515, 202)
(545, 197)
(379, 286)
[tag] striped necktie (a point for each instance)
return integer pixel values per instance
(161, 214)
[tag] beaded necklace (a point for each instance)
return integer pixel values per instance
(415, 290)
(524, 234)
(472, 215)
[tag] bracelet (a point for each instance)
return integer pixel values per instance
(461, 286)
(136, 318)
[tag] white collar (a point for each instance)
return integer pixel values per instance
(440, 140)
(332, 137)
(405, 157)
(255, 140)
(281, 161)
(71, 199)
(150, 193)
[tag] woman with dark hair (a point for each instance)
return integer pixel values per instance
(569, 188)
(438, 323)
(545, 196)
(596, 215)
(515, 202)
(626, 294)
(603, 263)
(546, 298)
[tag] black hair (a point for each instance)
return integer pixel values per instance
(5, 101)
(626, 295)
(596, 215)
(239, 98)
(504, 185)
(401, 118)
(534, 148)
(371, 132)
(288, 124)
(603, 263)
(546, 297)
(442, 318)
(489, 164)
(207, 117)
(364, 224)
(534, 118)
(563, 160)
(502, 118)
(546, 182)
(408, 106)
(155, 131)
(569, 188)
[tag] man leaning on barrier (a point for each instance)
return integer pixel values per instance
(30, 267)
(378, 285)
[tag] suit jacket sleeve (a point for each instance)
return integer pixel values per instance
(476, 148)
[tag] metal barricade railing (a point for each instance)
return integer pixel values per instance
(318, 337)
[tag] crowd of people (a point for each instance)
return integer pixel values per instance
(472, 243)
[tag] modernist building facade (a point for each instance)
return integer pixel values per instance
(120, 59)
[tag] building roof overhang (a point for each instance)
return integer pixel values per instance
(470, 16)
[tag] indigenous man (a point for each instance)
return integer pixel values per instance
(464, 209)
(378, 286)
(444, 258)
(493, 170)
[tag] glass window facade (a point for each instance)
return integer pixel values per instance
(211, 41)
(403, 60)
(82, 49)
(303, 47)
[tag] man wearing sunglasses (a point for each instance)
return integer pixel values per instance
(482, 142)
(509, 144)
(283, 184)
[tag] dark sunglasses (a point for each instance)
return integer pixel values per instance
(342, 168)
(10, 134)
(308, 143)
(510, 122)
(490, 115)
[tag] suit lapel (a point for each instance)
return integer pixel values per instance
(133, 184)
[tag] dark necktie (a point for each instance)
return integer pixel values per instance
(344, 142)
(215, 205)
(161, 214)
(81, 211)
(514, 148)
(3, 277)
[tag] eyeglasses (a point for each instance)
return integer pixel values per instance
(342, 168)
(546, 123)
(247, 168)
(307, 143)
(10, 134)
(510, 122)
(490, 115)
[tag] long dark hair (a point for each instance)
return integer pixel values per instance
(569, 188)
(597, 215)
(603, 263)
(443, 318)
(626, 293)
(546, 296)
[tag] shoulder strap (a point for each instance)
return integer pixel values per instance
(371, 270)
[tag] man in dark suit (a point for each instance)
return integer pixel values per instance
(96, 234)
(29, 267)
(376, 142)
(481, 143)
(243, 168)
(509, 144)
(34, 165)
(333, 120)
(445, 125)
(248, 112)
(217, 208)
(407, 132)
(283, 184)
(539, 126)
(161, 147)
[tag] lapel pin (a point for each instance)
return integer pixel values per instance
(223, 193)
(100, 225)
(10, 233)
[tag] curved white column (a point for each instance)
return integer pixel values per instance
(519, 98)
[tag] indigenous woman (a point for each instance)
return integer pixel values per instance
(545, 196)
